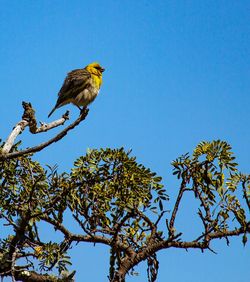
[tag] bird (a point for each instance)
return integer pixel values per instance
(80, 87)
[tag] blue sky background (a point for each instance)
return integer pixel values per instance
(177, 73)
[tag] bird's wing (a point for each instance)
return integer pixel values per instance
(75, 80)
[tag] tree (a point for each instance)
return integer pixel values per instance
(115, 201)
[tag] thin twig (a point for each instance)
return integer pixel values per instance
(176, 206)
(160, 217)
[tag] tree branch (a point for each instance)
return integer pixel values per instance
(58, 137)
(28, 119)
(230, 233)
(176, 206)
(32, 276)
(76, 237)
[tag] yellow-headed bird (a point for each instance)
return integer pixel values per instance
(80, 87)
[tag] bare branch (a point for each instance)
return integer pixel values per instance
(18, 129)
(160, 245)
(47, 126)
(28, 119)
(160, 217)
(176, 206)
(76, 237)
(58, 137)
(230, 233)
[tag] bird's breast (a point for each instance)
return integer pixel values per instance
(86, 96)
(96, 81)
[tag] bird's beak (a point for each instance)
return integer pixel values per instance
(102, 69)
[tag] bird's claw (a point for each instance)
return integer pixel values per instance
(84, 110)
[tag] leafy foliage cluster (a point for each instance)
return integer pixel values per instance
(117, 202)
(213, 175)
(106, 184)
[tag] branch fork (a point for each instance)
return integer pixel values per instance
(28, 119)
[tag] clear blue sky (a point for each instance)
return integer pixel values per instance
(177, 73)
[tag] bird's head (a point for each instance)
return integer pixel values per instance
(95, 68)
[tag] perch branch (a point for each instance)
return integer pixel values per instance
(28, 119)
(59, 136)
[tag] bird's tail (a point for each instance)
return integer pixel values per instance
(52, 111)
